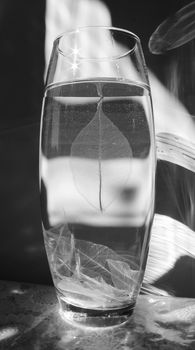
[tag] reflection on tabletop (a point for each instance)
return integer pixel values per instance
(30, 319)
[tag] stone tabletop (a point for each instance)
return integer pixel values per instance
(30, 319)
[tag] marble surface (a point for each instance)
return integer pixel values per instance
(30, 319)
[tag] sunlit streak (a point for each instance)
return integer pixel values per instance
(66, 15)
(170, 240)
(8, 332)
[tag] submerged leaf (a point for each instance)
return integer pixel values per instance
(98, 142)
(96, 292)
(92, 273)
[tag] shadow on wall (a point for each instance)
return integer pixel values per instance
(179, 280)
(22, 31)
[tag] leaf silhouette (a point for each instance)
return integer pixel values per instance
(97, 143)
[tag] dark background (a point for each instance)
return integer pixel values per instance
(22, 33)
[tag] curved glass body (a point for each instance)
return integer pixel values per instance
(97, 172)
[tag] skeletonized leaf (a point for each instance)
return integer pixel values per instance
(123, 276)
(98, 142)
(92, 273)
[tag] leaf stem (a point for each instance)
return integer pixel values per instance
(100, 153)
(99, 88)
